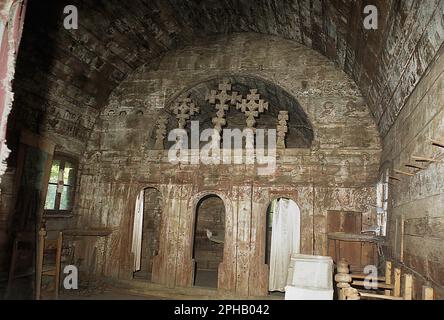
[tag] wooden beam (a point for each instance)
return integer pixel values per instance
(394, 178)
(437, 143)
(379, 296)
(388, 277)
(372, 285)
(401, 246)
(367, 277)
(414, 167)
(404, 173)
(423, 159)
(397, 283)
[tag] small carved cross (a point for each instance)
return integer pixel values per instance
(183, 110)
(160, 132)
(282, 129)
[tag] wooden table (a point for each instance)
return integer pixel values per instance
(359, 250)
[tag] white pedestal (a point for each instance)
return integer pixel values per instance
(309, 278)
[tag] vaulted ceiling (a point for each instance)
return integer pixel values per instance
(72, 72)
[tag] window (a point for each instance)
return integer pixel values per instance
(62, 181)
(382, 203)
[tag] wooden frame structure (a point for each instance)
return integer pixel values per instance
(391, 284)
(44, 245)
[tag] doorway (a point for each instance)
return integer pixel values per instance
(208, 246)
(147, 217)
(283, 236)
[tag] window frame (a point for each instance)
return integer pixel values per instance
(63, 158)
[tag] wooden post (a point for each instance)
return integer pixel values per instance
(397, 284)
(351, 294)
(343, 279)
(408, 287)
(58, 264)
(39, 265)
(388, 277)
(401, 247)
(427, 293)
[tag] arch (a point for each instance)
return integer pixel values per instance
(208, 240)
(146, 231)
(300, 129)
(282, 239)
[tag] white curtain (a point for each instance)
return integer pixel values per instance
(285, 241)
(137, 231)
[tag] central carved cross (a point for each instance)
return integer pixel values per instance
(223, 100)
(252, 107)
(222, 96)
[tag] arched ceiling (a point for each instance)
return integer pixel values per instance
(71, 73)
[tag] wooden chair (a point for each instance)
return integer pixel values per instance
(46, 247)
(24, 241)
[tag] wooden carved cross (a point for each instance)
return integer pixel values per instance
(252, 107)
(223, 100)
(183, 110)
(222, 96)
(160, 132)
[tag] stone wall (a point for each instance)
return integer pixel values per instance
(419, 199)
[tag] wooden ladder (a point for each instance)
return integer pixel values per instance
(45, 247)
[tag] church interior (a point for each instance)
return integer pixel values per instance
(121, 176)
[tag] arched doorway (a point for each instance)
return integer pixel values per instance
(146, 232)
(208, 245)
(283, 237)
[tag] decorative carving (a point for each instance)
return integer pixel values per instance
(184, 109)
(282, 129)
(328, 111)
(161, 132)
(223, 100)
(252, 107)
(342, 278)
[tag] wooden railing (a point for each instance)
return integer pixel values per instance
(361, 286)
